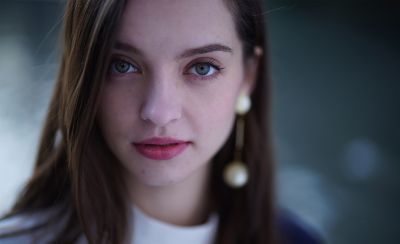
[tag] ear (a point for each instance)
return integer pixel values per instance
(250, 71)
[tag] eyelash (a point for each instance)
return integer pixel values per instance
(212, 63)
(112, 70)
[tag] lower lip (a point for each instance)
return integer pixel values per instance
(161, 152)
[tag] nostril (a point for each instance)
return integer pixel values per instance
(160, 114)
(143, 116)
(161, 104)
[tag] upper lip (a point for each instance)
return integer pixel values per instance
(161, 141)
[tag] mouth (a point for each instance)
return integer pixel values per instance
(161, 148)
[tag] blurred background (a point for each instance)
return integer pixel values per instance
(335, 67)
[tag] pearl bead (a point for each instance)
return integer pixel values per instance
(236, 174)
(243, 104)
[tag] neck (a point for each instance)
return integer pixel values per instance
(185, 203)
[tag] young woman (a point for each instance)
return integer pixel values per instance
(158, 130)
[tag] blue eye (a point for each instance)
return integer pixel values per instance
(204, 69)
(123, 67)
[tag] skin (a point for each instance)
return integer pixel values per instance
(154, 89)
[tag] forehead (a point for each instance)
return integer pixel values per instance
(173, 24)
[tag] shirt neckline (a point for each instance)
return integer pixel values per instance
(149, 230)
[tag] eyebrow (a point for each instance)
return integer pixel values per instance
(187, 53)
(127, 48)
(206, 49)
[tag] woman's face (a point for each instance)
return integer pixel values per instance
(168, 102)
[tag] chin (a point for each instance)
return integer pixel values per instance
(161, 174)
(161, 179)
(153, 173)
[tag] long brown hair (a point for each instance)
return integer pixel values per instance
(75, 177)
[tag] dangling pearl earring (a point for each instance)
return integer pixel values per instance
(236, 173)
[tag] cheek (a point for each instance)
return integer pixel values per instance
(221, 124)
(221, 112)
(218, 116)
(217, 127)
(116, 112)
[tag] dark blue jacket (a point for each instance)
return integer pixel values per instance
(293, 231)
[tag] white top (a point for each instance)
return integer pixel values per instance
(146, 230)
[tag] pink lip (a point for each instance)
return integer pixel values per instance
(161, 148)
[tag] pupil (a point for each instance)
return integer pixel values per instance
(122, 67)
(202, 69)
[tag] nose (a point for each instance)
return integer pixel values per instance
(161, 104)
